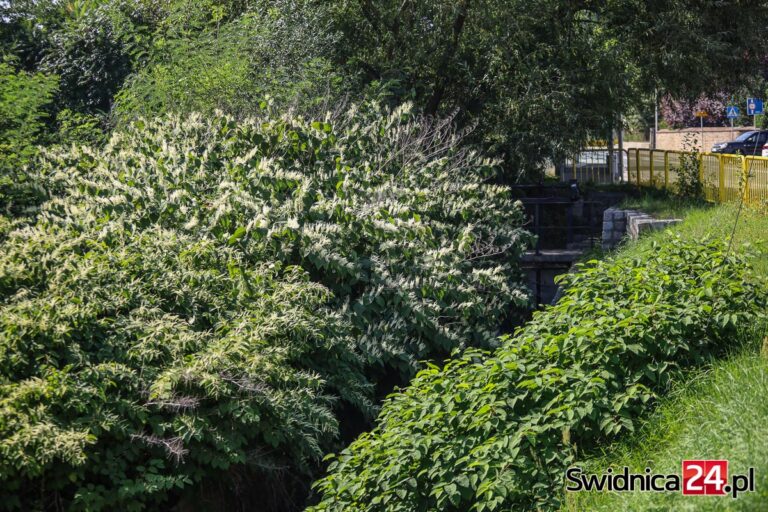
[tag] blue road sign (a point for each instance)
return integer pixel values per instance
(732, 111)
(754, 106)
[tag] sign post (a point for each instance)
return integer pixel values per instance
(754, 108)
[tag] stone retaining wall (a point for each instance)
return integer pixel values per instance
(618, 224)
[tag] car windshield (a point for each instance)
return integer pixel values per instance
(743, 137)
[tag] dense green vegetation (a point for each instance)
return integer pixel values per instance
(718, 413)
(24, 99)
(494, 432)
(534, 79)
(747, 226)
(194, 298)
(229, 227)
(208, 57)
(494, 426)
(723, 402)
(115, 395)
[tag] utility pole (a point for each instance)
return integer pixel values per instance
(620, 171)
(655, 117)
(610, 159)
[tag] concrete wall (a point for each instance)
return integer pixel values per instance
(673, 139)
(619, 224)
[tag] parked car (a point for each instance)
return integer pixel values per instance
(748, 143)
(765, 151)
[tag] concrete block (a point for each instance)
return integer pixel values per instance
(647, 225)
(618, 224)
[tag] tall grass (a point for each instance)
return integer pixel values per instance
(716, 413)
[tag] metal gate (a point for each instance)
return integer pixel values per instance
(594, 165)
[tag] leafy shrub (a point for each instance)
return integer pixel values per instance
(95, 49)
(24, 99)
(168, 319)
(275, 48)
(77, 128)
(386, 210)
(689, 182)
(138, 361)
(24, 102)
(496, 432)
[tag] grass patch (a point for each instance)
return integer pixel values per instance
(717, 413)
(663, 205)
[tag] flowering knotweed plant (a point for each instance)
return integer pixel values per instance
(196, 297)
(387, 211)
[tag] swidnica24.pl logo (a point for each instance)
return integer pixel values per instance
(697, 478)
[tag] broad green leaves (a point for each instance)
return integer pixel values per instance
(496, 431)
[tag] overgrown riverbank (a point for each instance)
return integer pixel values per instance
(203, 302)
(496, 431)
(717, 412)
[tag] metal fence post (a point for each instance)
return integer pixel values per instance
(721, 184)
(637, 165)
(745, 173)
(650, 160)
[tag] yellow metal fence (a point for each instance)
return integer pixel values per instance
(725, 177)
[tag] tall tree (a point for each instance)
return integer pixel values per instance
(541, 77)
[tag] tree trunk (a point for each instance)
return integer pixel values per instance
(442, 82)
